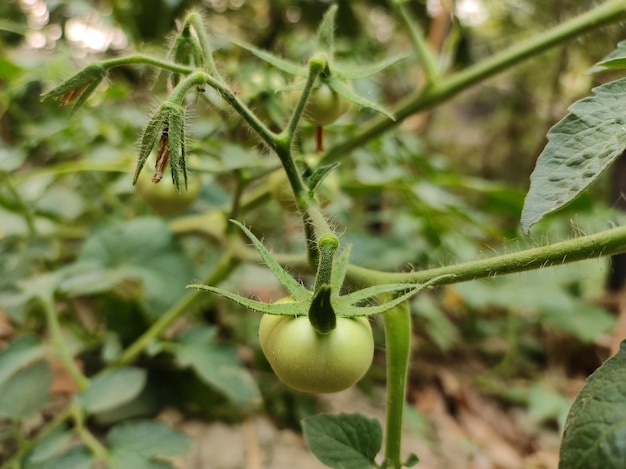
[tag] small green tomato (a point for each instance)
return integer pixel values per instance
(324, 106)
(163, 197)
(316, 363)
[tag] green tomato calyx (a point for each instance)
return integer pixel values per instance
(321, 313)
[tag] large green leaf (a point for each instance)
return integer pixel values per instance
(20, 353)
(580, 147)
(50, 447)
(26, 392)
(595, 430)
(143, 250)
(344, 441)
(217, 365)
(140, 442)
(112, 388)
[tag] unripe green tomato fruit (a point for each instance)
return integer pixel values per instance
(311, 362)
(324, 106)
(163, 197)
(281, 191)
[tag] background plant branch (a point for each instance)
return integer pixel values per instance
(448, 87)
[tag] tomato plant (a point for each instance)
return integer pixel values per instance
(104, 289)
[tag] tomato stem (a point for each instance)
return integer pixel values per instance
(321, 313)
(398, 343)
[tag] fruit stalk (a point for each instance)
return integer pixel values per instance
(321, 313)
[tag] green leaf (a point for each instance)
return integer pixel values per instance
(142, 249)
(50, 447)
(580, 148)
(615, 60)
(217, 365)
(78, 457)
(112, 388)
(546, 404)
(147, 439)
(124, 460)
(315, 179)
(26, 392)
(595, 429)
(411, 460)
(344, 441)
(22, 352)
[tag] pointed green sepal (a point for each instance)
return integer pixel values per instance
(176, 135)
(79, 87)
(326, 31)
(281, 309)
(345, 90)
(278, 62)
(295, 289)
(346, 303)
(321, 313)
(167, 125)
(362, 71)
(150, 135)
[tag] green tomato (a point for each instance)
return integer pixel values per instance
(281, 191)
(317, 363)
(163, 197)
(324, 106)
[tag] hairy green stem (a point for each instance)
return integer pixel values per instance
(446, 88)
(269, 137)
(140, 59)
(604, 243)
(223, 268)
(195, 20)
(398, 344)
(316, 65)
(327, 246)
